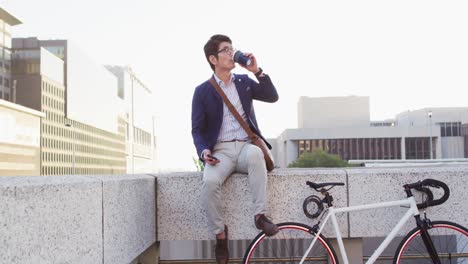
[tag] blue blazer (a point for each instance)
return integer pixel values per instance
(207, 108)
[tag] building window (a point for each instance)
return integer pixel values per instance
(418, 148)
(450, 129)
(7, 41)
(355, 148)
(7, 54)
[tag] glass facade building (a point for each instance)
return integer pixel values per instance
(68, 146)
(7, 85)
(355, 148)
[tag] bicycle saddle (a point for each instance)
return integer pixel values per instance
(317, 186)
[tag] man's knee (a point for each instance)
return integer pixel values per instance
(254, 155)
(211, 183)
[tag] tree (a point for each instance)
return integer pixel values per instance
(318, 158)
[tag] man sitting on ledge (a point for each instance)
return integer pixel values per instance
(223, 144)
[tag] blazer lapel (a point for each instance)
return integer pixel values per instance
(241, 90)
(219, 100)
(240, 87)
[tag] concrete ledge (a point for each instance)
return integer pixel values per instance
(50, 220)
(76, 219)
(385, 184)
(129, 206)
(111, 219)
(181, 216)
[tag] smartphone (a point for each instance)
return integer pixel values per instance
(213, 157)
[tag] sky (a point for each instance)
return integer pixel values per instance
(404, 55)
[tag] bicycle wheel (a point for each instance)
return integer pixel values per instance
(289, 246)
(450, 241)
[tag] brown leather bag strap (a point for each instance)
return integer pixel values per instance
(233, 110)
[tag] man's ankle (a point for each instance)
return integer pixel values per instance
(221, 235)
(257, 216)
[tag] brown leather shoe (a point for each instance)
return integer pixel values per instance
(221, 249)
(264, 224)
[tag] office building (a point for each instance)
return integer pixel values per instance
(83, 131)
(342, 126)
(7, 86)
(19, 140)
(20, 126)
(139, 120)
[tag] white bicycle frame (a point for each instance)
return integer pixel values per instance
(412, 211)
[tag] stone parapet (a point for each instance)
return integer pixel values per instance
(129, 216)
(113, 219)
(76, 219)
(385, 184)
(181, 215)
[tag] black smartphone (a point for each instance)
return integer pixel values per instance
(213, 157)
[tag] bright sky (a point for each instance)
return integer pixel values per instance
(405, 54)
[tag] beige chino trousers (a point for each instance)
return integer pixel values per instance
(234, 156)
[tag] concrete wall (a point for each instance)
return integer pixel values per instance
(384, 184)
(19, 140)
(342, 111)
(181, 217)
(76, 219)
(452, 147)
(112, 219)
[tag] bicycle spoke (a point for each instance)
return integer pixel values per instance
(288, 246)
(450, 241)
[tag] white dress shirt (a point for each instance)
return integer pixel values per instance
(230, 128)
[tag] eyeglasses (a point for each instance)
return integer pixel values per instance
(226, 50)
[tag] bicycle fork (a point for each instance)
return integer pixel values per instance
(423, 226)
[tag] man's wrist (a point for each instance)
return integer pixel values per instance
(203, 153)
(259, 73)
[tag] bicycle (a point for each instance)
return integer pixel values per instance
(430, 242)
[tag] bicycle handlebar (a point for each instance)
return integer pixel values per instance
(421, 186)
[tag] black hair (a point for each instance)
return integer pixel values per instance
(212, 46)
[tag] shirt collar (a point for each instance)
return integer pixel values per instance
(221, 82)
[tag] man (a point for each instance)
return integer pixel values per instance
(223, 144)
